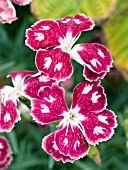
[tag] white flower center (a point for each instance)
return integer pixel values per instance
(74, 118)
(19, 86)
(8, 93)
(12, 93)
(68, 41)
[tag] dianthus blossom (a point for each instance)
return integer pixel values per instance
(86, 122)
(54, 42)
(10, 96)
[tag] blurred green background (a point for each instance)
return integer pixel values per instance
(111, 18)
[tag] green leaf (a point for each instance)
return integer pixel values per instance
(29, 163)
(116, 33)
(125, 125)
(13, 140)
(6, 66)
(51, 162)
(97, 9)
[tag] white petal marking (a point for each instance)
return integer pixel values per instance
(103, 119)
(1, 146)
(77, 143)
(98, 129)
(65, 141)
(67, 42)
(50, 100)
(43, 78)
(18, 83)
(101, 53)
(7, 117)
(58, 66)
(77, 21)
(45, 28)
(55, 146)
(39, 36)
(95, 97)
(65, 21)
(45, 109)
(94, 62)
(74, 54)
(48, 62)
(18, 78)
(86, 89)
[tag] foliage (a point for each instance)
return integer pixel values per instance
(115, 30)
(56, 9)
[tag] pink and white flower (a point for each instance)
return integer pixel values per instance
(7, 10)
(62, 35)
(86, 122)
(9, 96)
(5, 153)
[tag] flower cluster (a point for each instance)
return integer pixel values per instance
(87, 121)
(7, 10)
(5, 153)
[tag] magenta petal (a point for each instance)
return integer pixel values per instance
(72, 142)
(5, 153)
(99, 126)
(21, 2)
(92, 76)
(5, 149)
(7, 12)
(75, 25)
(20, 75)
(96, 56)
(34, 83)
(43, 34)
(50, 106)
(49, 145)
(9, 115)
(89, 97)
(6, 163)
(55, 63)
(18, 78)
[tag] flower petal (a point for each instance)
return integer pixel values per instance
(34, 83)
(5, 149)
(8, 116)
(6, 163)
(49, 106)
(21, 2)
(71, 143)
(92, 76)
(89, 97)
(95, 56)
(18, 78)
(49, 145)
(43, 34)
(8, 93)
(7, 12)
(20, 75)
(75, 24)
(55, 63)
(99, 126)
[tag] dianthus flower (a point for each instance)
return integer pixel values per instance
(7, 10)
(9, 96)
(86, 122)
(54, 41)
(5, 153)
